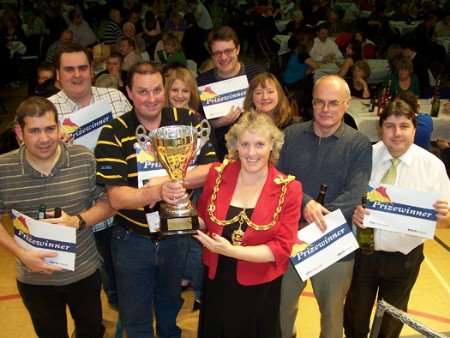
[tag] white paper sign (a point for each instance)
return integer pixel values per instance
(401, 210)
(323, 249)
(86, 123)
(218, 97)
(31, 234)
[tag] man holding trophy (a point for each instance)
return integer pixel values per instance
(148, 155)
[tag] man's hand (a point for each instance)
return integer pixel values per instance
(65, 219)
(441, 208)
(228, 119)
(157, 180)
(34, 261)
(171, 192)
(215, 243)
(313, 212)
(66, 138)
(358, 216)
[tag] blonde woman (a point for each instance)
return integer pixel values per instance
(251, 213)
(181, 89)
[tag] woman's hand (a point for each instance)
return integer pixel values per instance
(215, 243)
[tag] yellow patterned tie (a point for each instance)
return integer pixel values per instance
(391, 174)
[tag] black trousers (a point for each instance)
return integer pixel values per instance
(47, 307)
(392, 275)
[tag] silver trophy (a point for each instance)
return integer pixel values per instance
(175, 147)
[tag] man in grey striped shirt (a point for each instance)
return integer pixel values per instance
(46, 171)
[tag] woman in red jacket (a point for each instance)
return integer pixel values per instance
(251, 213)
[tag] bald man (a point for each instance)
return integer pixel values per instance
(325, 151)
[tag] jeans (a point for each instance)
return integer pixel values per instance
(330, 287)
(148, 276)
(47, 307)
(103, 241)
(193, 269)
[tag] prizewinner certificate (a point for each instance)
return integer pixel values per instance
(401, 210)
(31, 234)
(218, 97)
(320, 250)
(85, 124)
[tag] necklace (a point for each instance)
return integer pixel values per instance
(238, 234)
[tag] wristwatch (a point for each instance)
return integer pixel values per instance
(81, 222)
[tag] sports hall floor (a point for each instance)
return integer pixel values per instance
(430, 300)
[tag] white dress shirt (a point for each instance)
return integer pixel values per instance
(418, 170)
(321, 49)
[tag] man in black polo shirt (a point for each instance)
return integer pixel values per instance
(148, 270)
(224, 45)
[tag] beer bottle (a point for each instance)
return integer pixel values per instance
(365, 236)
(322, 192)
(57, 212)
(435, 101)
(41, 211)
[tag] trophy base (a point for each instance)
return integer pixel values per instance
(172, 225)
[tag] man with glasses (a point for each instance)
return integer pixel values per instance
(325, 151)
(224, 46)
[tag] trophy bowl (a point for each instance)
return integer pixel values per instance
(175, 147)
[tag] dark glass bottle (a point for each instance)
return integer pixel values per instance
(41, 211)
(365, 236)
(322, 192)
(57, 212)
(436, 100)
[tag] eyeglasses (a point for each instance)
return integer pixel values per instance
(226, 52)
(332, 105)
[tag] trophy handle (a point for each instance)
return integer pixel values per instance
(203, 132)
(144, 139)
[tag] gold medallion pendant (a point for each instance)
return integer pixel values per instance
(237, 236)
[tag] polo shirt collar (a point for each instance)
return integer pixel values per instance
(75, 106)
(27, 169)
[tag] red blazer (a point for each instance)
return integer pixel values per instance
(280, 238)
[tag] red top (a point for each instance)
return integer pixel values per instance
(280, 238)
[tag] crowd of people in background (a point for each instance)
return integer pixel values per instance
(147, 59)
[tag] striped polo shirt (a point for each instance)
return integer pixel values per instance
(117, 164)
(70, 186)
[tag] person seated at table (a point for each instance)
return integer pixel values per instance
(404, 79)
(424, 36)
(130, 55)
(335, 23)
(353, 53)
(248, 235)
(300, 64)
(169, 50)
(420, 65)
(297, 23)
(424, 122)
(113, 70)
(358, 83)
(324, 49)
(368, 47)
(265, 95)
